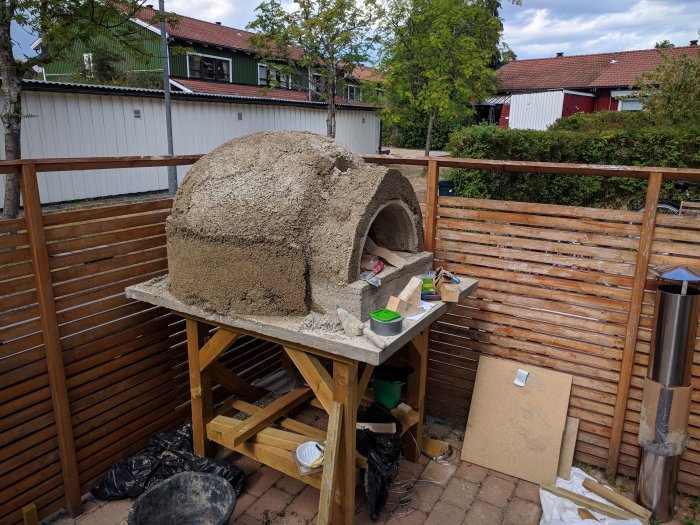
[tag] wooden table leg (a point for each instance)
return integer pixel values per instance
(415, 393)
(200, 387)
(345, 392)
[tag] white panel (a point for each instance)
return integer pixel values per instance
(535, 110)
(80, 125)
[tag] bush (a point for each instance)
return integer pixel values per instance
(573, 140)
(410, 132)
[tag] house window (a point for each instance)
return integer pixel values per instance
(630, 104)
(87, 61)
(316, 83)
(354, 93)
(209, 68)
(271, 77)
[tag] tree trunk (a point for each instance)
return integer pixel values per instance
(330, 118)
(429, 134)
(11, 118)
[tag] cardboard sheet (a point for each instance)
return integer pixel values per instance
(568, 447)
(517, 430)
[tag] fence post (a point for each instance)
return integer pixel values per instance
(646, 236)
(52, 343)
(431, 204)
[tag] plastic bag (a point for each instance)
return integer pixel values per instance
(166, 454)
(561, 511)
(383, 453)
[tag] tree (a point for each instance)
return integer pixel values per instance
(664, 44)
(437, 57)
(60, 23)
(671, 92)
(329, 38)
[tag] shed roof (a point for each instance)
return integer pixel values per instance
(603, 70)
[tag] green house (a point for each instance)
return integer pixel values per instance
(204, 57)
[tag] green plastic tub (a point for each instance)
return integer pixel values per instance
(387, 393)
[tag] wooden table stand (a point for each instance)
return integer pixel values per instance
(269, 435)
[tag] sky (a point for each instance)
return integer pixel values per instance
(536, 29)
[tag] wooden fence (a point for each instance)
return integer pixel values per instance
(87, 375)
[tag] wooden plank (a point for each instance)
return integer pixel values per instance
(217, 344)
(365, 379)
(431, 205)
(52, 343)
(273, 437)
(287, 423)
(618, 499)
(589, 503)
(102, 211)
(234, 383)
(274, 411)
(415, 394)
(641, 270)
(315, 375)
(200, 388)
(345, 393)
(389, 256)
(330, 463)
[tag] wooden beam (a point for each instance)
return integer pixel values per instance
(345, 393)
(330, 463)
(635, 309)
(315, 375)
(52, 343)
(592, 504)
(618, 499)
(415, 393)
(431, 205)
(217, 344)
(364, 381)
(285, 422)
(200, 387)
(270, 413)
(220, 426)
(30, 515)
(234, 383)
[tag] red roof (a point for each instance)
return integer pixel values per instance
(247, 91)
(604, 70)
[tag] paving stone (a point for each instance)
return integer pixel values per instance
(496, 491)
(290, 485)
(521, 512)
(306, 503)
(261, 480)
(425, 497)
(407, 516)
(445, 514)
(482, 513)
(460, 492)
(438, 473)
(288, 518)
(243, 503)
(247, 465)
(527, 491)
(273, 502)
(409, 469)
(246, 519)
(109, 514)
(473, 473)
(363, 518)
(501, 475)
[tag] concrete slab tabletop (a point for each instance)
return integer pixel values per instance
(291, 329)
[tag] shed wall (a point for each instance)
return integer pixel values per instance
(535, 110)
(81, 125)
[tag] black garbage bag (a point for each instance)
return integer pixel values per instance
(166, 454)
(383, 453)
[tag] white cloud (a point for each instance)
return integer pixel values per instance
(637, 24)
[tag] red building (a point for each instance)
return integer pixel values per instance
(534, 93)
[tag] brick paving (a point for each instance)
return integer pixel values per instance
(455, 493)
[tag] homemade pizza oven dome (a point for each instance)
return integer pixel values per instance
(275, 224)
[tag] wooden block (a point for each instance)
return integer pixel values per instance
(449, 292)
(588, 503)
(618, 499)
(405, 308)
(411, 292)
(568, 447)
(387, 255)
(29, 515)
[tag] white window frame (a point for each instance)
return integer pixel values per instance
(314, 81)
(262, 66)
(87, 62)
(357, 93)
(229, 60)
(282, 84)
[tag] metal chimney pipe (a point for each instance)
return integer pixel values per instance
(670, 362)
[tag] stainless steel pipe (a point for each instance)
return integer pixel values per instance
(670, 362)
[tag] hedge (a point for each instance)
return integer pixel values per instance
(667, 147)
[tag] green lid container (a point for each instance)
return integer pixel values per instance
(385, 315)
